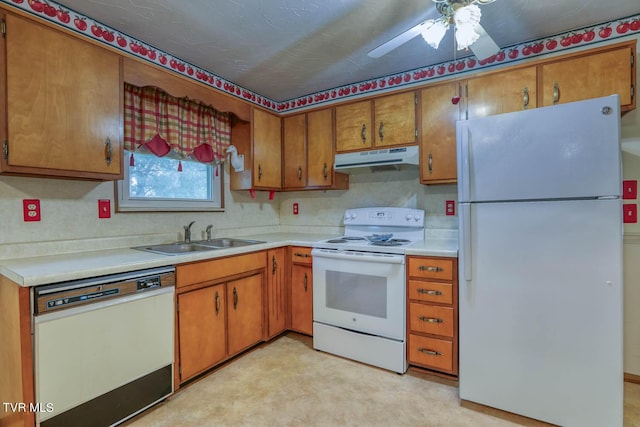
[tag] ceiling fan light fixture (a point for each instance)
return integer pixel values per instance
(467, 20)
(434, 32)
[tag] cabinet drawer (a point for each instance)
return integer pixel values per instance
(199, 272)
(431, 352)
(431, 319)
(431, 291)
(301, 255)
(433, 268)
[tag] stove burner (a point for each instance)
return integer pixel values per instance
(391, 242)
(337, 241)
(353, 238)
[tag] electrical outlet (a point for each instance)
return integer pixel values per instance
(104, 208)
(295, 209)
(629, 189)
(630, 212)
(31, 210)
(450, 207)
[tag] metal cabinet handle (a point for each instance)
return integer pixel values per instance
(430, 163)
(305, 282)
(259, 172)
(325, 171)
(525, 97)
(556, 93)
(299, 173)
(429, 292)
(380, 131)
(430, 268)
(301, 255)
(235, 298)
(363, 133)
(430, 319)
(217, 303)
(107, 151)
(429, 352)
(274, 265)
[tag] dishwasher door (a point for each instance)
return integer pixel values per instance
(103, 362)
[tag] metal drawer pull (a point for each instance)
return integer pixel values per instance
(305, 282)
(302, 255)
(430, 163)
(325, 171)
(299, 173)
(363, 133)
(217, 303)
(429, 291)
(235, 298)
(556, 93)
(259, 172)
(275, 265)
(429, 352)
(380, 131)
(430, 268)
(107, 152)
(431, 319)
(525, 97)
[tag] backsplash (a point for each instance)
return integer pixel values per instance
(70, 212)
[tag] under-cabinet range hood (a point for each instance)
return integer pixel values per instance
(375, 158)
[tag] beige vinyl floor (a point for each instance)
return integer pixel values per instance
(287, 383)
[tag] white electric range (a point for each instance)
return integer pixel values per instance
(359, 304)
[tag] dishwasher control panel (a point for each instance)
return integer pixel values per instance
(86, 291)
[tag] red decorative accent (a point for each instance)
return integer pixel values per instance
(630, 189)
(217, 170)
(179, 165)
(630, 213)
(252, 193)
(158, 146)
(204, 153)
(455, 100)
(272, 194)
(132, 161)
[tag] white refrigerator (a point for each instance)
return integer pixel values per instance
(540, 259)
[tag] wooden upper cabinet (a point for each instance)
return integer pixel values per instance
(395, 120)
(294, 151)
(591, 75)
(353, 126)
(503, 92)
(64, 104)
(320, 148)
(438, 133)
(267, 157)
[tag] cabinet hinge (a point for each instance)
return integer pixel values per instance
(416, 132)
(3, 28)
(5, 149)
(633, 59)
(415, 98)
(633, 91)
(177, 306)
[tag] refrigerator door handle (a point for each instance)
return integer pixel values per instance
(463, 181)
(465, 234)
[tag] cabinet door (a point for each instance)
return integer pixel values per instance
(395, 120)
(302, 299)
(590, 76)
(244, 312)
(64, 101)
(201, 329)
(266, 150)
(320, 148)
(501, 93)
(353, 126)
(276, 291)
(295, 156)
(438, 133)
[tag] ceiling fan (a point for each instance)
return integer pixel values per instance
(463, 15)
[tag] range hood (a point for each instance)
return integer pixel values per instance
(385, 157)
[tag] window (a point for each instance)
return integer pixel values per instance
(155, 184)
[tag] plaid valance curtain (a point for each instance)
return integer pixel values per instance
(159, 123)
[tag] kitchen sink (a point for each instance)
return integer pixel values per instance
(178, 248)
(225, 242)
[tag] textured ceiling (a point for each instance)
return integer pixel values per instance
(283, 49)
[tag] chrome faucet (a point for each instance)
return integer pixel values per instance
(187, 232)
(208, 231)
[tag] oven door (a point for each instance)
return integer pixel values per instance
(360, 291)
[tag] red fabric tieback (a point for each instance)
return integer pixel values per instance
(179, 165)
(132, 161)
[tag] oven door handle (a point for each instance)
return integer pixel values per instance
(358, 256)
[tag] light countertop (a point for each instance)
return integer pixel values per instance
(41, 270)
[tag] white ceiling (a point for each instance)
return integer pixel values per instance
(283, 49)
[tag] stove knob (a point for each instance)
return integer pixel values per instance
(354, 215)
(409, 217)
(417, 218)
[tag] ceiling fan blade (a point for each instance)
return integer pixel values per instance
(397, 41)
(484, 47)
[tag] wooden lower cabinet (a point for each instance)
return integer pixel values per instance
(301, 290)
(276, 292)
(202, 329)
(219, 311)
(432, 313)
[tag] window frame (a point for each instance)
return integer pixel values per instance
(124, 203)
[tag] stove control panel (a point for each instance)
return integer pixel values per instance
(385, 217)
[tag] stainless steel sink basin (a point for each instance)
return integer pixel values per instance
(225, 242)
(175, 248)
(178, 248)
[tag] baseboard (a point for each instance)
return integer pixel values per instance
(631, 378)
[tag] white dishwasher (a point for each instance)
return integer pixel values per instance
(103, 347)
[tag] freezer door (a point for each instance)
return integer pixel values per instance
(564, 151)
(540, 297)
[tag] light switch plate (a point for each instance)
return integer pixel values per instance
(630, 213)
(104, 208)
(629, 189)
